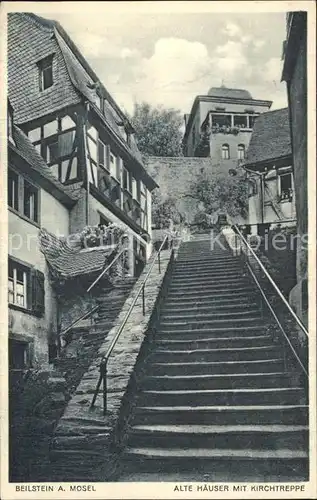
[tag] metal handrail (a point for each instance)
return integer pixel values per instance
(104, 361)
(276, 319)
(297, 319)
(83, 316)
(106, 269)
(91, 311)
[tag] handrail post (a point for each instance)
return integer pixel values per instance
(159, 261)
(103, 375)
(143, 299)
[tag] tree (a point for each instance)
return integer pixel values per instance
(220, 191)
(158, 130)
(164, 211)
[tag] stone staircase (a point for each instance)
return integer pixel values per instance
(86, 337)
(217, 399)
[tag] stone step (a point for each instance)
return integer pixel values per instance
(221, 415)
(236, 437)
(139, 467)
(220, 397)
(212, 343)
(194, 454)
(211, 381)
(211, 332)
(192, 313)
(209, 284)
(211, 323)
(210, 266)
(217, 367)
(204, 275)
(205, 257)
(224, 299)
(235, 354)
(210, 291)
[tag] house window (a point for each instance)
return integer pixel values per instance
(241, 151)
(286, 190)
(18, 354)
(225, 152)
(35, 134)
(23, 196)
(101, 154)
(46, 73)
(50, 128)
(134, 189)
(138, 191)
(13, 190)
(26, 287)
(67, 122)
(130, 183)
(221, 121)
(52, 152)
(252, 121)
(118, 168)
(30, 205)
(18, 282)
(126, 179)
(112, 164)
(93, 174)
(93, 150)
(240, 121)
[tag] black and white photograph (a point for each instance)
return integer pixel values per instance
(158, 238)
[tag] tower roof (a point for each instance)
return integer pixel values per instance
(229, 93)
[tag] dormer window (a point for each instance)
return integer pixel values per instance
(45, 73)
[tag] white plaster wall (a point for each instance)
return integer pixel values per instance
(24, 245)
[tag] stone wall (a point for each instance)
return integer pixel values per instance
(37, 399)
(174, 177)
(84, 438)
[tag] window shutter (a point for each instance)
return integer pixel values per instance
(38, 292)
(108, 157)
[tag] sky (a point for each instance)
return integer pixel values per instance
(167, 58)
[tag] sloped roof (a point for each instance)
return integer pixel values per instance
(229, 93)
(66, 262)
(84, 81)
(271, 138)
(80, 71)
(25, 149)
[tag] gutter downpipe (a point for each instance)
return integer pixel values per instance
(86, 163)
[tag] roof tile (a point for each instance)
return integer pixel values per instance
(271, 137)
(66, 262)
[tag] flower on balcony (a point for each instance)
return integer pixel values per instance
(101, 235)
(225, 129)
